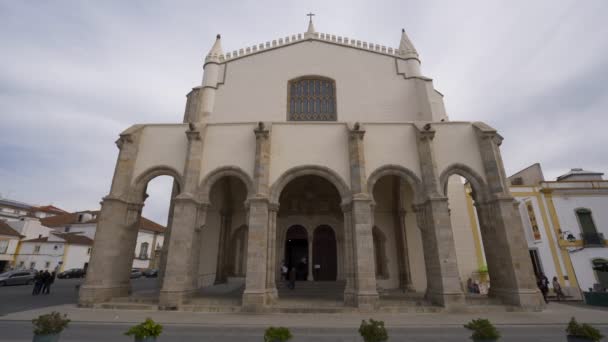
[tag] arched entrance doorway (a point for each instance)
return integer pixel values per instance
(324, 256)
(296, 251)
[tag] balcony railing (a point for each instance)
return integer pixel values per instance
(593, 239)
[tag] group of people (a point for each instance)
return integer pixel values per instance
(543, 285)
(42, 282)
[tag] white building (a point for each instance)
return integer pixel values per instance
(566, 222)
(11, 210)
(9, 240)
(55, 252)
(149, 238)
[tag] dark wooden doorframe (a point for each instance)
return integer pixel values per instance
(325, 255)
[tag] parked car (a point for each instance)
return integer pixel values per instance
(22, 277)
(135, 273)
(150, 273)
(72, 273)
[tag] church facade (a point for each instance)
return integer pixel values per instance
(324, 154)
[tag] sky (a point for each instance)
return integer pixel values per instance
(74, 74)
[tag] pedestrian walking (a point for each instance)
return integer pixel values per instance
(557, 288)
(46, 282)
(37, 283)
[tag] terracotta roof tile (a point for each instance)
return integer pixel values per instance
(72, 218)
(75, 239)
(42, 239)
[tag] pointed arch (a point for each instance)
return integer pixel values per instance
(478, 184)
(309, 170)
(397, 170)
(138, 189)
(212, 177)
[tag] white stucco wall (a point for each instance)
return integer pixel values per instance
(391, 144)
(229, 145)
(47, 253)
(296, 144)
(30, 228)
(456, 142)
(461, 227)
(161, 145)
(565, 206)
(76, 256)
(367, 84)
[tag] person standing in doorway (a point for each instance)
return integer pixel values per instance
(543, 286)
(284, 271)
(292, 278)
(557, 288)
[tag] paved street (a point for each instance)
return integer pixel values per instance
(21, 331)
(18, 307)
(19, 298)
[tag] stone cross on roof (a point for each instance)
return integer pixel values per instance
(311, 27)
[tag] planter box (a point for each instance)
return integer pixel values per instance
(46, 338)
(146, 339)
(578, 339)
(596, 298)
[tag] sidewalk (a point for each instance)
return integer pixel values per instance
(554, 314)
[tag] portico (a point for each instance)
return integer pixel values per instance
(346, 187)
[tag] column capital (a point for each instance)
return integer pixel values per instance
(193, 133)
(425, 132)
(261, 132)
(356, 132)
(111, 198)
(123, 140)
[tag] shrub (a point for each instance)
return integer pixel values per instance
(148, 328)
(583, 330)
(373, 331)
(273, 334)
(50, 324)
(482, 329)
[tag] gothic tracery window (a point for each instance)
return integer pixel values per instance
(312, 99)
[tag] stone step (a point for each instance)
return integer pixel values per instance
(409, 309)
(210, 308)
(126, 306)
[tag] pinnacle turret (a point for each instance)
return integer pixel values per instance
(311, 27)
(216, 51)
(406, 48)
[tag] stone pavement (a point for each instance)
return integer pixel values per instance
(555, 314)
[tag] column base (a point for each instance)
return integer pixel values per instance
(254, 301)
(172, 300)
(89, 295)
(349, 297)
(529, 299)
(451, 301)
(367, 302)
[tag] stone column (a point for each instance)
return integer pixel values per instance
(110, 265)
(442, 277)
(400, 242)
(257, 292)
(362, 221)
(349, 267)
(180, 278)
(271, 268)
(222, 257)
(311, 237)
(405, 278)
(511, 274)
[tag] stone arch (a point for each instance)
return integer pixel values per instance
(204, 189)
(309, 170)
(478, 184)
(396, 170)
(138, 189)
